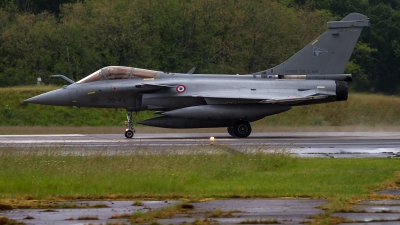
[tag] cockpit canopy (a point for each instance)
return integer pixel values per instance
(118, 72)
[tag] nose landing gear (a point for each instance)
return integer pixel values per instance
(130, 131)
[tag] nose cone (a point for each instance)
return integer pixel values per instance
(59, 97)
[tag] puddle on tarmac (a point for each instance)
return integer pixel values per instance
(86, 215)
(286, 211)
(227, 211)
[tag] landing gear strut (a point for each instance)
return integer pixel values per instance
(130, 131)
(241, 129)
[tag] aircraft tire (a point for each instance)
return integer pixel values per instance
(129, 134)
(231, 131)
(242, 129)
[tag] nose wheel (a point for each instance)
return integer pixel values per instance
(129, 134)
(130, 131)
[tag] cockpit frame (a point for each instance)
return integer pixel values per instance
(117, 73)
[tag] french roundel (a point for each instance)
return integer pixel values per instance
(180, 88)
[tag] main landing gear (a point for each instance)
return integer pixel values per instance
(130, 131)
(241, 129)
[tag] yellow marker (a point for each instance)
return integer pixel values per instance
(314, 42)
(211, 140)
(148, 79)
(90, 93)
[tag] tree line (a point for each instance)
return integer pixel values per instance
(377, 55)
(40, 38)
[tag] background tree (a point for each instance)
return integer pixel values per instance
(75, 38)
(375, 60)
(36, 6)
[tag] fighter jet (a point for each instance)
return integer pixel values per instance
(313, 75)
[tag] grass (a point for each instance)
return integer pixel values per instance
(5, 207)
(28, 217)
(52, 173)
(205, 221)
(138, 203)
(88, 217)
(360, 110)
(154, 215)
(28, 202)
(220, 214)
(260, 221)
(36, 177)
(121, 216)
(6, 221)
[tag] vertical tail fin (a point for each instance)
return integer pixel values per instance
(327, 54)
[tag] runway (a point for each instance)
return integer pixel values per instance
(304, 144)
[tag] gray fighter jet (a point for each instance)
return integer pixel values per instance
(186, 100)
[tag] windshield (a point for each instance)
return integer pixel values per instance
(118, 72)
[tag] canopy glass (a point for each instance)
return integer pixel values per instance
(118, 72)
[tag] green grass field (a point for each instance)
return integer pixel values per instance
(35, 178)
(48, 174)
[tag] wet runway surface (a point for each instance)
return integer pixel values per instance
(110, 212)
(376, 212)
(232, 211)
(226, 211)
(251, 211)
(304, 144)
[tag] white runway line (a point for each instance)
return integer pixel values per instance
(44, 135)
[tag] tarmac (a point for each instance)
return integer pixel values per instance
(226, 211)
(303, 144)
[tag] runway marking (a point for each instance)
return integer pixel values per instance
(43, 135)
(305, 144)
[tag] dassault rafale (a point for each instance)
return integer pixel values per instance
(313, 75)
